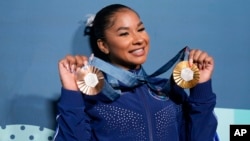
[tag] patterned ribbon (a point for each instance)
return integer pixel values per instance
(128, 79)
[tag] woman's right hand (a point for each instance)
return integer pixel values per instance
(67, 70)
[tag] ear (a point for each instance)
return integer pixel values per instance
(102, 46)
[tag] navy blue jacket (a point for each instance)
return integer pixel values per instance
(138, 115)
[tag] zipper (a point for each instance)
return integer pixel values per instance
(148, 116)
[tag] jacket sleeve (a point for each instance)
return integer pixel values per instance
(73, 123)
(201, 122)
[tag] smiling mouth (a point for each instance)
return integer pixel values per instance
(138, 52)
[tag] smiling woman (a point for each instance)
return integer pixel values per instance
(152, 109)
(126, 42)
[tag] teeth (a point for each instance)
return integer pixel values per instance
(138, 50)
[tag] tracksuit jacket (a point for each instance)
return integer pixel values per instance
(138, 115)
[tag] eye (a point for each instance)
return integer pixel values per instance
(123, 34)
(141, 29)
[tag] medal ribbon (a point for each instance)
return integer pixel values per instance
(129, 79)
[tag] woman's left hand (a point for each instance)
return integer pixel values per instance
(204, 62)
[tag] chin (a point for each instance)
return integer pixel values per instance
(140, 62)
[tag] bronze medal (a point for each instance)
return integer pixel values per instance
(90, 80)
(185, 76)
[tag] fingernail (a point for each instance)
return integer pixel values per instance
(67, 67)
(85, 63)
(72, 68)
(190, 62)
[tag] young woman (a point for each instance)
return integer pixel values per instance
(138, 114)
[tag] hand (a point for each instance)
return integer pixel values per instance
(67, 69)
(204, 62)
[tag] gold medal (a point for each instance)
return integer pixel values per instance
(90, 80)
(186, 76)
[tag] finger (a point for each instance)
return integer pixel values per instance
(206, 62)
(209, 62)
(79, 61)
(201, 58)
(85, 60)
(64, 64)
(193, 56)
(72, 63)
(70, 59)
(73, 68)
(197, 55)
(190, 57)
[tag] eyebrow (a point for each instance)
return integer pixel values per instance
(126, 28)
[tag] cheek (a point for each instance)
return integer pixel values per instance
(147, 38)
(118, 49)
(120, 45)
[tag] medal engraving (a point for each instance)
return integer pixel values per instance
(185, 76)
(90, 80)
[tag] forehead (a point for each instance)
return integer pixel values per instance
(125, 11)
(124, 17)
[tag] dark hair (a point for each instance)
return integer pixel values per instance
(101, 22)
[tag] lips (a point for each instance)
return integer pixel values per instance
(138, 52)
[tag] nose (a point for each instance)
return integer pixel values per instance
(137, 39)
